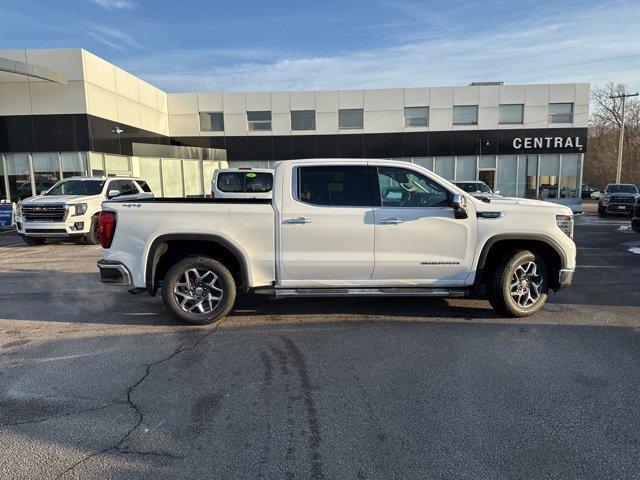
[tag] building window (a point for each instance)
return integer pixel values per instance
(258, 121)
(351, 118)
(416, 116)
(561, 113)
(303, 120)
(211, 122)
(465, 115)
(511, 114)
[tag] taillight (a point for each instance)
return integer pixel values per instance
(107, 227)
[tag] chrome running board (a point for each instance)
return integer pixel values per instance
(370, 292)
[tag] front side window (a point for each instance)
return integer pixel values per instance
(416, 116)
(335, 185)
(241, 182)
(350, 118)
(511, 114)
(258, 121)
(211, 122)
(465, 115)
(303, 120)
(77, 187)
(400, 187)
(561, 113)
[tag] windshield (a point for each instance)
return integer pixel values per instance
(474, 187)
(622, 189)
(77, 187)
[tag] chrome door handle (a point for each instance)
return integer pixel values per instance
(296, 221)
(390, 221)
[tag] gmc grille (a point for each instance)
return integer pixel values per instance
(44, 213)
(622, 199)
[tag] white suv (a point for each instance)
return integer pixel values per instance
(70, 208)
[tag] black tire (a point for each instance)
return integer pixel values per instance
(602, 212)
(31, 241)
(224, 283)
(92, 237)
(501, 277)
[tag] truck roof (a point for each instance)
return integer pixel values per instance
(104, 177)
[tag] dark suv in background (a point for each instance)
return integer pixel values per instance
(618, 198)
(635, 221)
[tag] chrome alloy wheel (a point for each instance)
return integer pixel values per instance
(198, 291)
(526, 284)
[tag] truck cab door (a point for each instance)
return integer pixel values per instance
(418, 240)
(325, 223)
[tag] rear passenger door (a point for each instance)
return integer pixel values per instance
(326, 226)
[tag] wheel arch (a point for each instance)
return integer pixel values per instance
(538, 243)
(167, 249)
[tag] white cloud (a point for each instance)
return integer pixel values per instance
(115, 4)
(592, 45)
(112, 36)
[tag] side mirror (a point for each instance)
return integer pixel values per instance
(44, 191)
(497, 192)
(113, 193)
(459, 204)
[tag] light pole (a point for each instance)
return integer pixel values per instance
(624, 97)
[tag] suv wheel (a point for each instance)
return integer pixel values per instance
(602, 212)
(199, 290)
(92, 237)
(518, 286)
(31, 241)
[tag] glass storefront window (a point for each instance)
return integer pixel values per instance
(17, 165)
(569, 174)
(487, 161)
(507, 171)
(465, 168)
(96, 162)
(73, 164)
(172, 177)
(529, 164)
(426, 162)
(117, 165)
(192, 178)
(445, 167)
(150, 172)
(549, 171)
(3, 188)
(46, 170)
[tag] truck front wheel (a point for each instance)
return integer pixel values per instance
(199, 290)
(518, 285)
(92, 237)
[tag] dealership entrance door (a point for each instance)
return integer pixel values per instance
(488, 177)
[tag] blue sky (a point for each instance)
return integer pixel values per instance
(281, 45)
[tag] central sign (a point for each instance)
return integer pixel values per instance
(530, 143)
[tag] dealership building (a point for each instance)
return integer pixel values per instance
(68, 112)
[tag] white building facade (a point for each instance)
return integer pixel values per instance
(79, 114)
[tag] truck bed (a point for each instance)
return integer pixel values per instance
(247, 224)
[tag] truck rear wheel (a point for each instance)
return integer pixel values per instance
(518, 285)
(199, 290)
(31, 241)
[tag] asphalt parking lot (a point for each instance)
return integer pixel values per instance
(98, 383)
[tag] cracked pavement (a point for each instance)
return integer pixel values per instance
(97, 383)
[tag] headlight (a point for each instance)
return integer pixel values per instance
(565, 223)
(81, 208)
(19, 209)
(605, 200)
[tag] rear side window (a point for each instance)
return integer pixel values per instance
(126, 187)
(241, 182)
(340, 186)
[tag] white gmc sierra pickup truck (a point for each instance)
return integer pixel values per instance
(340, 228)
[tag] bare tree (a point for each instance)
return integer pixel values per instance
(604, 127)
